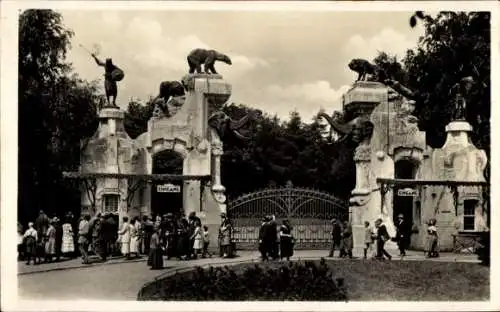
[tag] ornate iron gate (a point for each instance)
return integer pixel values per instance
(309, 212)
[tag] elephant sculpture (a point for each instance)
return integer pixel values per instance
(343, 168)
(228, 128)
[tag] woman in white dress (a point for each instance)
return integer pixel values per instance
(125, 238)
(198, 239)
(134, 238)
(68, 243)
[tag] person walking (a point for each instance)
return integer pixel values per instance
(134, 238)
(286, 240)
(336, 237)
(402, 235)
(225, 234)
(58, 237)
(83, 238)
(347, 241)
(382, 238)
(125, 238)
(50, 244)
(368, 239)
(432, 240)
(155, 260)
(197, 238)
(169, 237)
(147, 232)
(30, 239)
(262, 239)
(68, 241)
(206, 242)
(183, 241)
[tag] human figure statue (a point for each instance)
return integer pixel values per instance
(206, 57)
(460, 91)
(112, 74)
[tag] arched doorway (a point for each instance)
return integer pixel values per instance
(403, 196)
(166, 196)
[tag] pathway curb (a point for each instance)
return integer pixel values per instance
(249, 258)
(82, 266)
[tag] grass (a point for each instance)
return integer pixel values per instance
(404, 280)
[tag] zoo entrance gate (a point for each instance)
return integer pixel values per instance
(309, 212)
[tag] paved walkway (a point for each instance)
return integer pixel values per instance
(119, 279)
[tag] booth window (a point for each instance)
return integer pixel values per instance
(110, 203)
(469, 214)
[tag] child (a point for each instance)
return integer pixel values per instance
(206, 242)
(432, 239)
(30, 240)
(368, 238)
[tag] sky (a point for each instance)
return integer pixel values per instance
(282, 61)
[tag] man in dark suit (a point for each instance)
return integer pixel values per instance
(262, 230)
(402, 235)
(382, 237)
(336, 236)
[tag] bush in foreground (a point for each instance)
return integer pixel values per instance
(292, 281)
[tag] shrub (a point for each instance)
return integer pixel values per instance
(292, 281)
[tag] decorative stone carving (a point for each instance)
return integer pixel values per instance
(362, 153)
(167, 109)
(225, 126)
(203, 146)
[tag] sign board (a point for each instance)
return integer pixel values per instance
(168, 188)
(407, 192)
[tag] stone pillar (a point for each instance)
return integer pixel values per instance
(464, 162)
(360, 195)
(212, 92)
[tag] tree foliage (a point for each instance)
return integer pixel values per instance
(56, 110)
(137, 116)
(455, 45)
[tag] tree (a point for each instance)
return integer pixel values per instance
(137, 117)
(455, 45)
(391, 65)
(56, 111)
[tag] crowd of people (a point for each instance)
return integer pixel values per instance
(49, 239)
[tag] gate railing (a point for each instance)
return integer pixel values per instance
(309, 212)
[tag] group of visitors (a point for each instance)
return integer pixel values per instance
(376, 237)
(186, 238)
(47, 239)
(275, 242)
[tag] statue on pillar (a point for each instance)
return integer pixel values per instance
(197, 57)
(460, 92)
(112, 74)
(364, 68)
